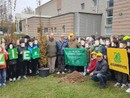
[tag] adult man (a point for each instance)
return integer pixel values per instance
(61, 44)
(72, 44)
(51, 52)
(101, 72)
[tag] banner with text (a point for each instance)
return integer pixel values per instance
(118, 60)
(75, 56)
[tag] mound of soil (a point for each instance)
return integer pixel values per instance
(74, 77)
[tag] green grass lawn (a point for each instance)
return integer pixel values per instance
(49, 87)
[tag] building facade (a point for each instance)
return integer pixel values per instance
(121, 17)
(79, 23)
(58, 8)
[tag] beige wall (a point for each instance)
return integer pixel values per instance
(58, 22)
(121, 18)
(33, 24)
(65, 20)
(48, 9)
(67, 6)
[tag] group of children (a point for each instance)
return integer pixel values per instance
(95, 45)
(17, 68)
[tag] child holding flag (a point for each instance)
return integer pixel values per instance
(33, 47)
(3, 58)
(22, 63)
(12, 62)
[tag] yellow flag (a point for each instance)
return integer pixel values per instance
(118, 60)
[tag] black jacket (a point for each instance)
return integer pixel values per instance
(20, 56)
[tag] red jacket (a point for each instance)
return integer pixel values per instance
(92, 65)
(6, 57)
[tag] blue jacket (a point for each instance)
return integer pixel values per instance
(60, 46)
(30, 49)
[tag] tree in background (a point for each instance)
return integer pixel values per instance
(42, 40)
(3, 26)
(28, 10)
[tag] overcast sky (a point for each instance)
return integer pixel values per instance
(21, 4)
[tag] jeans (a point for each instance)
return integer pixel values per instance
(100, 77)
(2, 76)
(85, 67)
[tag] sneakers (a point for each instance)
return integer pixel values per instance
(3, 84)
(25, 77)
(128, 90)
(84, 73)
(58, 73)
(14, 79)
(11, 80)
(117, 84)
(19, 77)
(63, 73)
(123, 86)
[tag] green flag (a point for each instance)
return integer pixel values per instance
(13, 53)
(2, 59)
(26, 55)
(36, 53)
(75, 56)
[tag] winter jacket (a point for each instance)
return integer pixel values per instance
(101, 67)
(60, 47)
(92, 65)
(20, 56)
(51, 48)
(73, 44)
(31, 48)
(6, 57)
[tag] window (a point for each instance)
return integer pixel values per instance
(46, 30)
(52, 30)
(63, 27)
(59, 12)
(55, 30)
(95, 2)
(82, 6)
(110, 12)
(109, 20)
(110, 3)
(109, 30)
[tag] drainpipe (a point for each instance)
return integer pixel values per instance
(97, 7)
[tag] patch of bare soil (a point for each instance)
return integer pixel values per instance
(74, 77)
